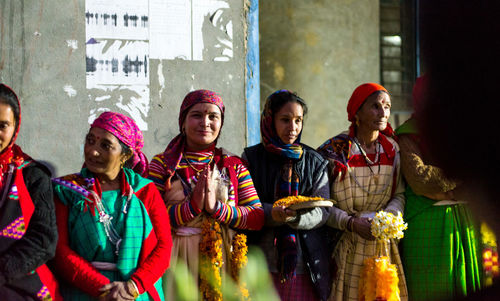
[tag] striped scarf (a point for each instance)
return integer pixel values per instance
(288, 185)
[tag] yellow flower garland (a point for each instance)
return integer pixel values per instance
(238, 261)
(211, 260)
(379, 280)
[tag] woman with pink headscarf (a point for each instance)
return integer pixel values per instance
(114, 231)
(209, 195)
(365, 178)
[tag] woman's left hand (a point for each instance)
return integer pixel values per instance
(116, 291)
(210, 197)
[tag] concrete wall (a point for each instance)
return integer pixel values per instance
(323, 50)
(39, 60)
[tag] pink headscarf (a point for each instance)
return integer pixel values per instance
(126, 130)
(173, 153)
(357, 99)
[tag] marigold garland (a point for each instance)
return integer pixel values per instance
(290, 200)
(211, 261)
(379, 278)
(238, 261)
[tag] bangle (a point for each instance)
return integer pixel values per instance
(135, 293)
(348, 225)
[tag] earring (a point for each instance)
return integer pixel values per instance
(357, 122)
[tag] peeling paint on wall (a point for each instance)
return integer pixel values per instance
(131, 100)
(161, 79)
(37, 60)
(73, 44)
(70, 91)
(279, 72)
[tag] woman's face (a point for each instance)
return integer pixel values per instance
(375, 112)
(103, 153)
(202, 125)
(7, 125)
(288, 122)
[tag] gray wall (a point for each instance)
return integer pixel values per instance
(37, 62)
(323, 50)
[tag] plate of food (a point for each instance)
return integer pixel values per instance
(303, 202)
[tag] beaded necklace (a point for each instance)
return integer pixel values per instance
(198, 171)
(369, 162)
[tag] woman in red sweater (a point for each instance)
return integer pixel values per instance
(114, 230)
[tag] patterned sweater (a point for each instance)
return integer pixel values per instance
(248, 212)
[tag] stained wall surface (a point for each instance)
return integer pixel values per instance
(322, 50)
(44, 47)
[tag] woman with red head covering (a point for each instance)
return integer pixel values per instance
(441, 253)
(209, 194)
(365, 178)
(28, 232)
(114, 232)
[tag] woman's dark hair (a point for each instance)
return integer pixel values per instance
(8, 97)
(126, 150)
(279, 98)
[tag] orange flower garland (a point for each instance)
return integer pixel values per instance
(211, 260)
(379, 280)
(238, 261)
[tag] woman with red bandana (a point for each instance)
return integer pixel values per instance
(114, 233)
(206, 189)
(28, 232)
(365, 178)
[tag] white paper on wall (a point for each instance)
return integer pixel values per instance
(177, 27)
(111, 19)
(118, 62)
(117, 57)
